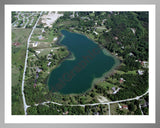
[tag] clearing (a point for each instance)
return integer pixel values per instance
(102, 99)
(49, 19)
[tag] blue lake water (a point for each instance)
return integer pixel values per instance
(76, 76)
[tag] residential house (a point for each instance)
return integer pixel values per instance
(49, 63)
(121, 80)
(124, 106)
(114, 88)
(40, 37)
(38, 69)
(140, 72)
(35, 44)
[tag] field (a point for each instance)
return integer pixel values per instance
(18, 52)
(15, 75)
(19, 41)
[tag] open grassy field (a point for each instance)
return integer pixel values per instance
(46, 51)
(106, 84)
(44, 39)
(18, 52)
(15, 75)
(101, 29)
(67, 22)
(19, 36)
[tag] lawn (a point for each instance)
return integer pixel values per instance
(45, 51)
(106, 84)
(120, 72)
(47, 35)
(65, 23)
(100, 29)
(132, 72)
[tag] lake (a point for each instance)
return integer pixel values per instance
(77, 75)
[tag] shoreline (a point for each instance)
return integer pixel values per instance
(69, 57)
(104, 75)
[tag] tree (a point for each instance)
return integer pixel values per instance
(44, 67)
(93, 94)
(137, 112)
(32, 110)
(131, 107)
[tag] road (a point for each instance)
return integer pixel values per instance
(112, 102)
(109, 111)
(108, 103)
(16, 20)
(141, 109)
(27, 21)
(25, 66)
(18, 16)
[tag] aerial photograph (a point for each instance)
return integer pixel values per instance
(80, 63)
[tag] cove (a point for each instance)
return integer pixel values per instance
(77, 75)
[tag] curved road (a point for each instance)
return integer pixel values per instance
(111, 102)
(25, 65)
(108, 103)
